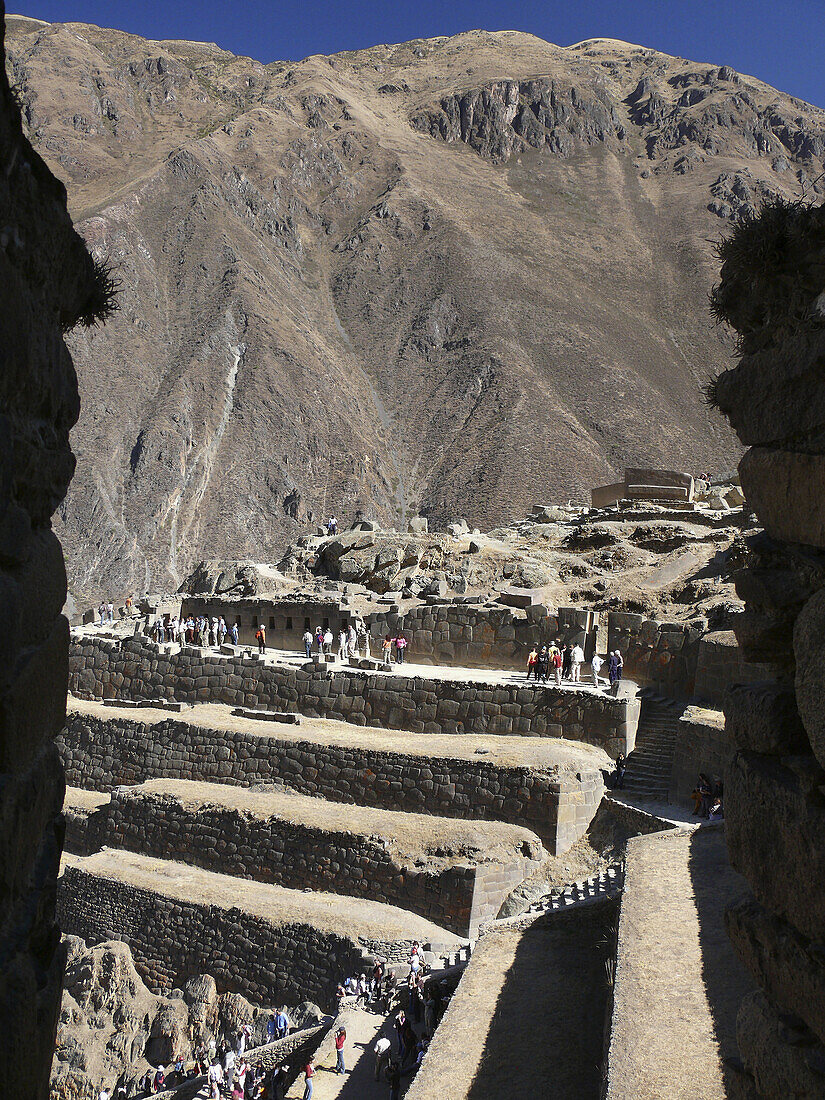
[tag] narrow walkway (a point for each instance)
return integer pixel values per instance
(358, 1083)
(651, 762)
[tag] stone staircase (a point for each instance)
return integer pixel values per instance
(650, 764)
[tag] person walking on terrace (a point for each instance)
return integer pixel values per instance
(340, 1039)
(352, 641)
(382, 1055)
(386, 649)
(307, 640)
(543, 664)
(400, 648)
(260, 638)
(319, 639)
(596, 665)
(342, 644)
(566, 661)
(309, 1073)
(576, 659)
(613, 668)
(556, 663)
(282, 1024)
(327, 640)
(532, 666)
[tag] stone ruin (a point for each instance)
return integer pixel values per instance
(771, 292)
(49, 284)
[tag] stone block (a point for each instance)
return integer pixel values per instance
(776, 1054)
(782, 961)
(763, 717)
(784, 488)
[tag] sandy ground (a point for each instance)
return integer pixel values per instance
(414, 834)
(523, 752)
(527, 1019)
(346, 916)
(678, 982)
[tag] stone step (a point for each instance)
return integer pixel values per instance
(301, 842)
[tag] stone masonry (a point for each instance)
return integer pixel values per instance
(104, 753)
(49, 284)
(771, 292)
(291, 841)
(138, 669)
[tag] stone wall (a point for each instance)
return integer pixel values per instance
(473, 636)
(678, 659)
(557, 807)
(49, 284)
(702, 745)
(286, 853)
(771, 292)
(173, 941)
(138, 669)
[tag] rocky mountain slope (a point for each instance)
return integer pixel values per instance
(453, 276)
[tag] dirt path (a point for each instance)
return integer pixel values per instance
(359, 1082)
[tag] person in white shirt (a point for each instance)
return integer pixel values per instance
(576, 658)
(328, 641)
(596, 665)
(229, 1068)
(215, 1078)
(382, 1055)
(308, 640)
(352, 641)
(342, 645)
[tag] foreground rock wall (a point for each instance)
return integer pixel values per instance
(48, 282)
(771, 287)
(105, 754)
(138, 669)
(172, 941)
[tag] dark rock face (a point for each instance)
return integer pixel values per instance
(772, 278)
(48, 283)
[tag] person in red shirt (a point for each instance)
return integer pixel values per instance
(309, 1073)
(340, 1039)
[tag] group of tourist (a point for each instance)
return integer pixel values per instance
(707, 798)
(106, 613)
(564, 662)
(194, 630)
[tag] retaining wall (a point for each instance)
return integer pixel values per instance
(102, 754)
(138, 669)
(173, 941)
(286, 853)
(702, 745)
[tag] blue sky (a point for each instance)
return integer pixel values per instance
(780, 41)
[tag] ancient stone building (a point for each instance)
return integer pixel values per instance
(49, 283)
(772, 293)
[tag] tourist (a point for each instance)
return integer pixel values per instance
(159, 1080)
(352, 641)
(543, 664)
(613, 668)
(319, 639)
(240, 1077)
(576, 659)
(221, 630)
(377, 978)
(342, 644)
(278, 1082)
(104, 1094)
(235, 633)
(400, 648)
(215, 1078)
(363, 990)
(101, 611)
(716, 811)
(382, 1055)
(620, 668)
(260, 638)
(309, 1073)
(386, 649)
(332, 526)
(327, 640)
(244, 1035)
(282, 1024)
(596, 665)
(179, 1070)
(566, 661)
(229, 1067)
(532, 658)
(429, 1012)
(271, 1028)
(702, 796)
(110, 608)
(621, 768)
(556, 663)
(395, 1080)
(398, 1024)
(363, 639)
(340, 1039)
(307, 640)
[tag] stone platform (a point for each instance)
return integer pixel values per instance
(454, 872)
(273, 945)
(137, 669)
(552, 787)
(678, 983)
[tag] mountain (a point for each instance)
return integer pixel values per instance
(453, 276)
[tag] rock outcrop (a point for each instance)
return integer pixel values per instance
(49, 284)
(349, 282)
(772, 280)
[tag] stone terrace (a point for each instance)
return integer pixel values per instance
(134, 669)
(551, 787)
(271, 944)
(451, 871)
